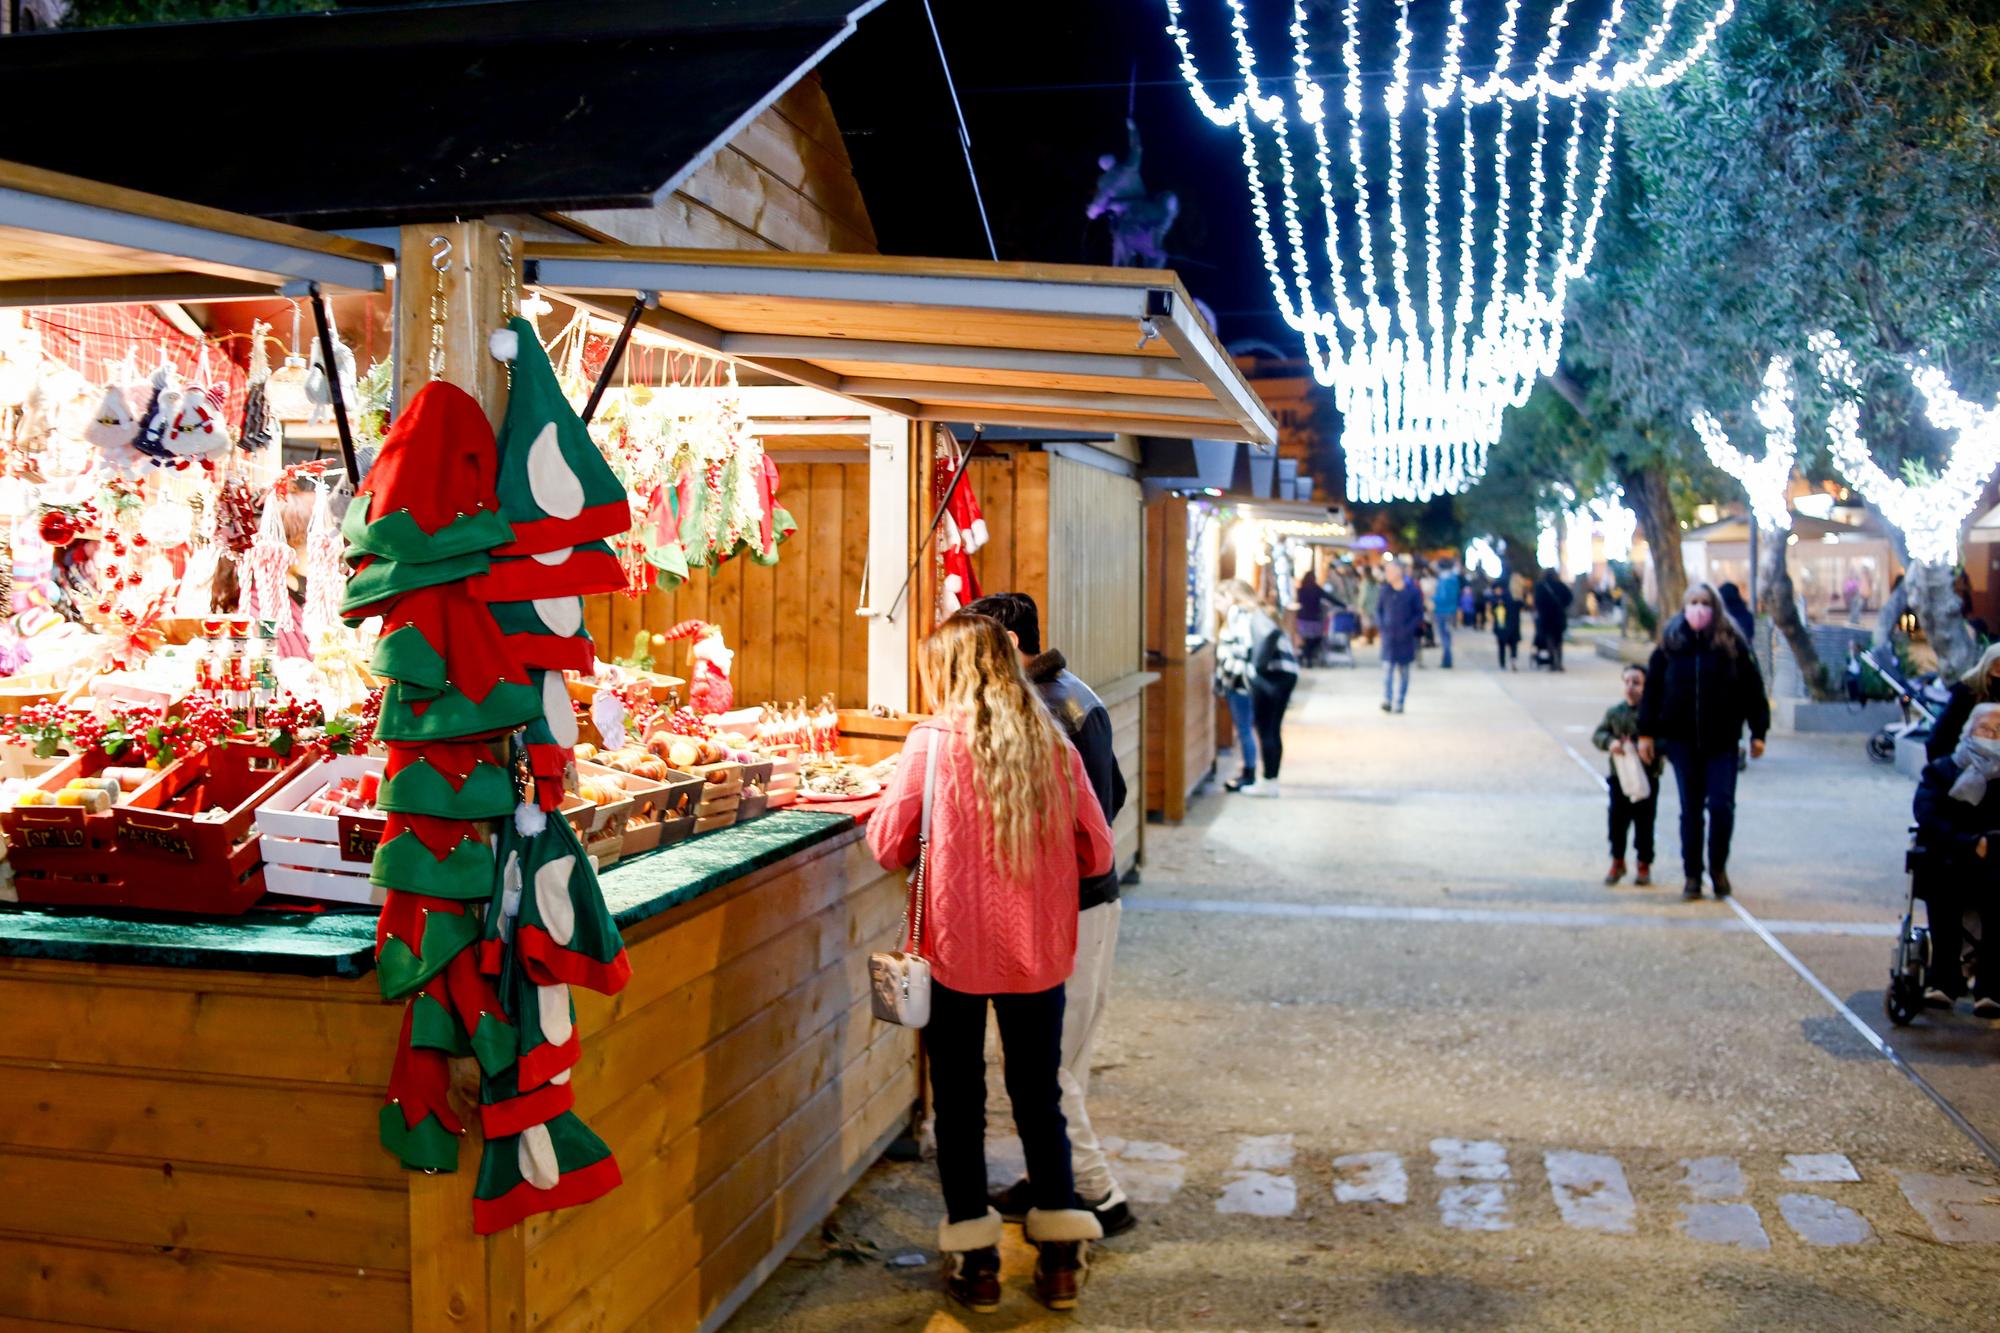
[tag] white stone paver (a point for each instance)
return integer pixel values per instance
(1591, 1191)
(1818, 1168)
(1370, 1177)
(1818, 1220)
(1960, 1210)
(1724, 1224)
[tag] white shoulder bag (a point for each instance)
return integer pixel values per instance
(900, 982)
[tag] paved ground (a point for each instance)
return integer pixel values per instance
(1385, 1054)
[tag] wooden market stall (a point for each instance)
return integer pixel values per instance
(188, 1108)
(1180, 647)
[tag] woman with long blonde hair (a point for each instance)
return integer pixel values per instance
(1015, 827)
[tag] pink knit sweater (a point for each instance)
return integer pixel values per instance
(986, 933)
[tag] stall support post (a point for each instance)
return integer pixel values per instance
(891, 458)
(473, 277)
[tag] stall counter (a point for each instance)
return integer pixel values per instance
(187, 1110)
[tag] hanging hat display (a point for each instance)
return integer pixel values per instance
(546, 633)
(197, 430)
(447, 781)
(568, 572)
(557, 1165)
(112, 425)
(555, 487)
(430, 495)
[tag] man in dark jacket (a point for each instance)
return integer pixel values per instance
(1552, 599)
(1085, 720)
(1702, 689)
(1400, 613)
(1957, 808)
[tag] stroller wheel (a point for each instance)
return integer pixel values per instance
(1882, 747)
(1902, 1002)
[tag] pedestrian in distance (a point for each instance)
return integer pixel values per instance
(1617, 734)
(1702, 689)
(1957, 809)
(1261, 657)
(1014, 829)
(1235, 646)
(1981, 685)
(1447, 607)
(1401, 615)
(1315, 606)
(1552, 599)
(1506, 613)
(1087, 723)
(1370, 597)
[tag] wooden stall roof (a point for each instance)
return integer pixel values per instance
(69, 241)
(1067, 347)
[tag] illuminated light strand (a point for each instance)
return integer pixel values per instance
(1767, 480)
(1424, 379)
(1929, 515)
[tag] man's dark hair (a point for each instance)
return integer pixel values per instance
(1631, 667)
(1017, 614)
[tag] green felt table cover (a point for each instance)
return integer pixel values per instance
(341, 943)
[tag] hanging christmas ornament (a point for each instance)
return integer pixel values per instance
(58, 527)
(112, 425)
(263, 567)
(325, 573)
(261, 428)
(197, 429)
(166, 523)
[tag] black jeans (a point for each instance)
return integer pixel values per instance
(1636, 816)
(1510, 649)
(1031, 1045)
(1268, 701)
(1706, 782)
(1948, 893)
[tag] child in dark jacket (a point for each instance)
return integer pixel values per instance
(1618, 731)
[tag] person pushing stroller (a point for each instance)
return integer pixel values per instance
(1957, 809)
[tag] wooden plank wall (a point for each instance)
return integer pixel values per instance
(1095, 579)
(183, 1149)
(784, 183)
(1128, 726)
(792, 624)
(742, 1082)
(1013, 492)
(1180, 706)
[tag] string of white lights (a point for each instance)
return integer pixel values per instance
(1767, 480)
(1929, 514)
(1424, 371)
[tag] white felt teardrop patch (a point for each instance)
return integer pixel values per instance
(556, 707)
(510, 894)
(555, 487)
(553, 1002)
(561, 616)
(552, 898)
(560, 1079)
(555, 557)
(537, 1157)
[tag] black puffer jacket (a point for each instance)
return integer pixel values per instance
(1700, 694)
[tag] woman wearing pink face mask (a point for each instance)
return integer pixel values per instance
(1702, 689)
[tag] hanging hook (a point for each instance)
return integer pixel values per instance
(441, 253)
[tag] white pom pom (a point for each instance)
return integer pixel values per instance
(530, 819)
(953, 584)
(505, 344)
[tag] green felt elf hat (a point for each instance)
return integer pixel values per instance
(561, 929)
(483, 790)
(415, 938)
(570, 571)
(556, 1165)
(556, 490)
(430, 495)
(377, 580)
(405, 862)
(546, 633)
(412, 717)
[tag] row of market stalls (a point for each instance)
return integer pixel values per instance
(193, 1118)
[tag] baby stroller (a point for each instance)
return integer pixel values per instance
(1910, 966)
(1921, 706)
(1339, 647)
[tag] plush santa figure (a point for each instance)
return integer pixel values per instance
(709, 691)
